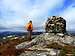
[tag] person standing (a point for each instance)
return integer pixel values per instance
(29, 27)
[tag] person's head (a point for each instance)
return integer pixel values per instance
(30, 21)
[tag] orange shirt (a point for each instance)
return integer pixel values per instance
(29, 26)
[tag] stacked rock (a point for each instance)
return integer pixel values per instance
(55, 24)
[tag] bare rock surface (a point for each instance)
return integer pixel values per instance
(41, 41)
(47, 38)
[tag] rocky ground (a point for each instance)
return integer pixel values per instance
(46, 44)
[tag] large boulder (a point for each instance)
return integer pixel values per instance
(55, 24)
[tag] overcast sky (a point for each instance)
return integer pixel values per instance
(15, 13)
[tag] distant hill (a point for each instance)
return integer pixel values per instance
(7, 33)
(19, 28)
(71, 32)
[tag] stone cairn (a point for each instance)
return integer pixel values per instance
(55, 24)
